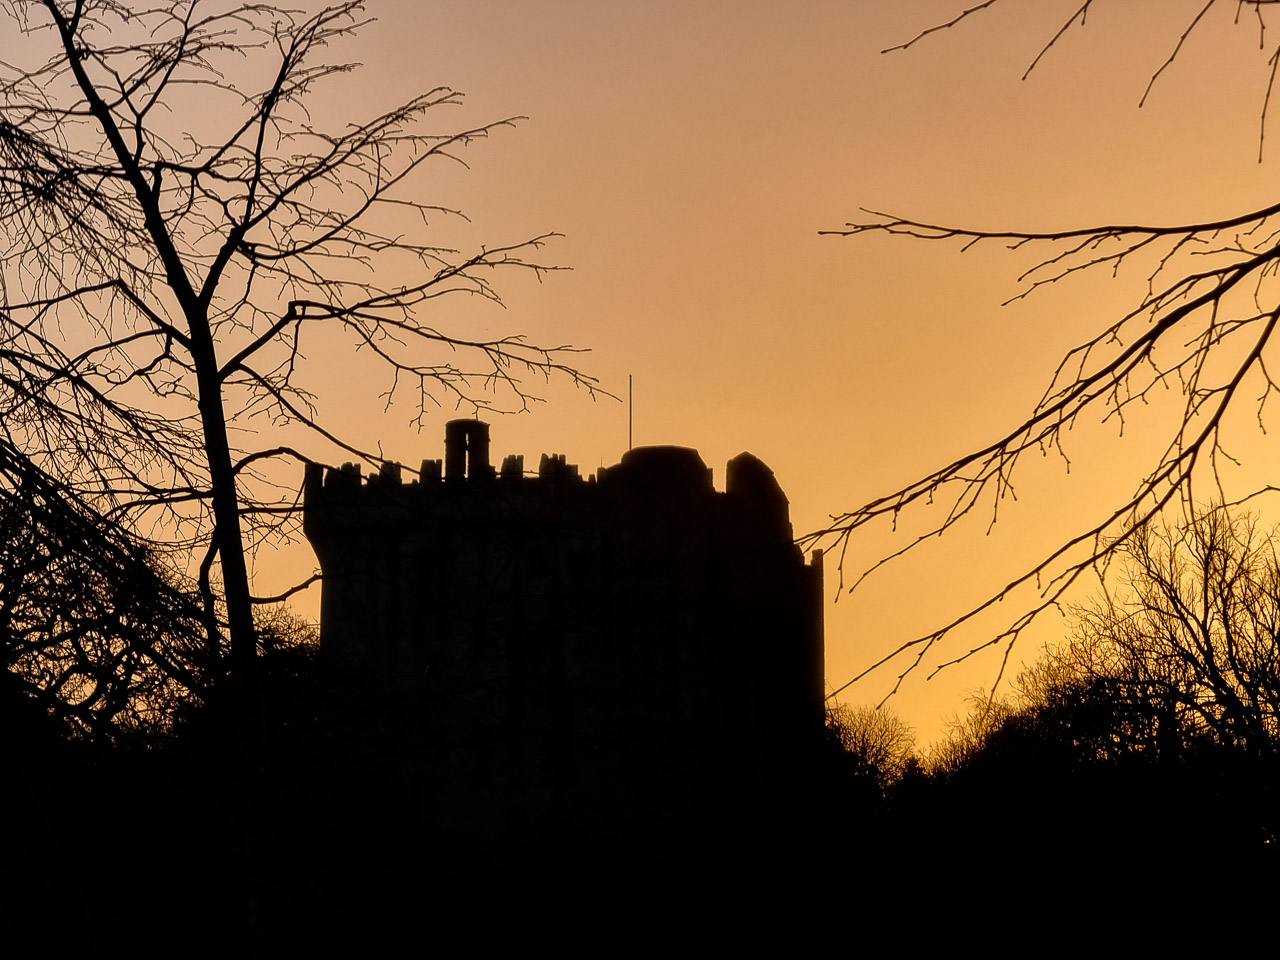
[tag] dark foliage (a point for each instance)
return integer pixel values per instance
(91, 628)
(1151, 736)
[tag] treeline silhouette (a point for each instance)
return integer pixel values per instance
(1147, 742)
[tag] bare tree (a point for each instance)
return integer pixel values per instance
(967, 736)
(175, 226)
(1203, 328)
(1184, 654)
(1192, 639)
(877, 738)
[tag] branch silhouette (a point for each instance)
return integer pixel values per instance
(1202, 331)
(173, 225)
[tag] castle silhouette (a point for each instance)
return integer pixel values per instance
(632, 652)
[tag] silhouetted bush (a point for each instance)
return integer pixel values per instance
(1153, 731)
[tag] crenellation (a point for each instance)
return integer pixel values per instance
(346, 478)
(556, 465)
(513, 465)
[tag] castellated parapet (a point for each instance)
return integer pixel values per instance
(631, 646)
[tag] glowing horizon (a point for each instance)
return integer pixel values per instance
(690, 155)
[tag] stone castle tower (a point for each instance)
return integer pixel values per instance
(633, 646)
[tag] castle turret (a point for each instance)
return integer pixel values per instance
(466, 450)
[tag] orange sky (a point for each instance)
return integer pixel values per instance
(691, 151)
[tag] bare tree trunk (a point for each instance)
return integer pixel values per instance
(227, 534)
(226, 509)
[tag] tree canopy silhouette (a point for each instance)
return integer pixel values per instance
(176, 227)
(1204, 329)
(1164, 704)
(91, 628)
(1190, 643)
(876, 739)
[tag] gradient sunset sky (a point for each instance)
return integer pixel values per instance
(690, 152)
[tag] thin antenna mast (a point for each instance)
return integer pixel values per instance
(630, 412)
